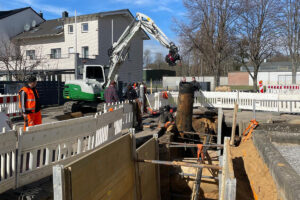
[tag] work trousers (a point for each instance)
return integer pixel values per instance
(32, 119)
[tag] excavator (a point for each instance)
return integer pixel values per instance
(89, 91)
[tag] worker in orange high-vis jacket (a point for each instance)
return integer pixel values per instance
(29, 103)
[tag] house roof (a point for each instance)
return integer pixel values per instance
(48, 28)
(52, 27)
(7, 13)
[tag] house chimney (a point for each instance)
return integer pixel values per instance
(65, 14)
(41, 14)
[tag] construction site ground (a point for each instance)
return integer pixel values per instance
(254, 180)
(55, 113)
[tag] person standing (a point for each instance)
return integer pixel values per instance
(131, 95)
(110, 94)
(195, 84)
(29, 103)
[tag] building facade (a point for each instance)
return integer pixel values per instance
(12, 22)
(61, 44)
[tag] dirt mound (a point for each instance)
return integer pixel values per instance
(254, 180)
(223, 89)
(204, 125)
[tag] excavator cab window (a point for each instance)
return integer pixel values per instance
(95, 72)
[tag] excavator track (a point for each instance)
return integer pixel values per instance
(71, 106)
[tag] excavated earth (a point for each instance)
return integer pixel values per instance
(254, 180)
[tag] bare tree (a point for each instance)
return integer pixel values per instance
(291, 24)
(18, 62)
(258, 33)
(147, 57)
(209, 31)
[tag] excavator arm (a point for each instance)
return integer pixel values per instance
(119, 51)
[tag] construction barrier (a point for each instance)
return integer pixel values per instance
(10, 105)
(42, 146)
(247, 101)
(8, 160)
(283, 89)
(110, 172)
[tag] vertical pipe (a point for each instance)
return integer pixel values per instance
(234, 123)
(112, 32)
(76, 65)
(196, 190)
(254, 104)
(75, 32)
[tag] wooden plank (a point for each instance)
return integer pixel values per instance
(220, 121)
(147, 173)
(236, 106)
(106, 173)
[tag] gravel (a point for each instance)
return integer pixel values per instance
(291, 152)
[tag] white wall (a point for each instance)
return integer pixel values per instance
(174, 81)
(275, 78)
(90, 38)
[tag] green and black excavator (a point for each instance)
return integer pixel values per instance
(89, 91)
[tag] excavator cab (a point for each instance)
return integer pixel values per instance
(95, 72)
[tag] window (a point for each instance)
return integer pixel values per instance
(94, 72)
(70, 28)
(30, 54)
(71, 50)
(84, 27)
(55, 53)
(85, 52)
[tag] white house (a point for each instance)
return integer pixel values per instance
(60, 48)
(12, 23)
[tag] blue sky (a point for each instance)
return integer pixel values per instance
(161, 11)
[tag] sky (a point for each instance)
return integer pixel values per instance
(161, 11)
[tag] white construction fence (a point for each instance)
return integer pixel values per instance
(247, 101)
(29, 156)
(10, 105)
(283, 89)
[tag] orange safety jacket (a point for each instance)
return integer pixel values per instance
(30, 104)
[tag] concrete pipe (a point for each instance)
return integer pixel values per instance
(185, 107)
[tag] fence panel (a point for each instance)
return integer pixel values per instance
(8, 141)
(44, 145)
(263, 101)
(148, 174)
(107, 173)
(228, 182)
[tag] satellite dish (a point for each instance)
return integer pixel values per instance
(26, 27)
(33, 23)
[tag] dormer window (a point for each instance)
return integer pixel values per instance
(84, 27)
(70, 29)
